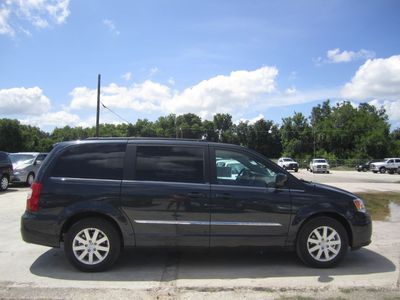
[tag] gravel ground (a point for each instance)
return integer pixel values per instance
(35, 272)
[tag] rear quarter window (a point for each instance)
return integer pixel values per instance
(97, 161)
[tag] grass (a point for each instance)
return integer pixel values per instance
(378, 203)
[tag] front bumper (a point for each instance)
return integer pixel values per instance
(292, 167)
(36, 230)
(19, 177)
(361, 230)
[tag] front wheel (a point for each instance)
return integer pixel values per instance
(322, 242)
(92, 245)
(382, 170)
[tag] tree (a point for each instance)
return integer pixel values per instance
(296, 135)
(11, 139)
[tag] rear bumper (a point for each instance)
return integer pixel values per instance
(40, 232)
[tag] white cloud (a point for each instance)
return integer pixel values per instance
(290, 91)
(39, 13)
(28, 101)
(127, 76)
(153, 71)
(228, 94)
(145, 96)
(111, 26)
(5, 27)
(392, 109)
(238, 92)
(171, 81)
(377, 81)
(53, 119)
(335, 56)
(376, 78)
(251, 121)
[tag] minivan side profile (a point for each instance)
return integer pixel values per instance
(98, 196)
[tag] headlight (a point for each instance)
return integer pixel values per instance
(359, 204)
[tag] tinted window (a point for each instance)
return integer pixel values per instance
(100, 161)
(234, 168)
(170, 163)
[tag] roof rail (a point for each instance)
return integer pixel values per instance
(145, 138)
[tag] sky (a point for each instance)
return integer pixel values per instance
(251, 59)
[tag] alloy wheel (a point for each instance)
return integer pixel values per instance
(324, 243)
(91, 246)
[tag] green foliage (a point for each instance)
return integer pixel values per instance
(332, 131)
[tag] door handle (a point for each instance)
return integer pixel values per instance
(195, 195)
(223, 195)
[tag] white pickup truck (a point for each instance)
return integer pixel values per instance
(288, 163)
(319, 165)
(391, 165)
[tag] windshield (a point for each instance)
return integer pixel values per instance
(26, 158)
(320, 161)
(287, 159)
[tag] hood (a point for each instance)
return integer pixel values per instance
(378, 163)
(327, 188)
(20, 165)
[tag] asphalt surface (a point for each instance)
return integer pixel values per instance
(30, 271)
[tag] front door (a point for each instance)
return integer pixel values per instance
(246, 207)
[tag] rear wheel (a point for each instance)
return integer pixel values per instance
(30, 179)
(92, 245)
(322, 242)
(4, 182)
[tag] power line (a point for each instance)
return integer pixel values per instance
(123, 119)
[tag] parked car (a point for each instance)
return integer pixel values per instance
(365, 167)
(6, 169)
(388, 164)
(319, 165)
(26, 165)
(288, 164)
(99, 195)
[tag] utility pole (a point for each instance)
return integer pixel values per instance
(98, 105)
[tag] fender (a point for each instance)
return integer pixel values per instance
(336, 209)
(96, 208)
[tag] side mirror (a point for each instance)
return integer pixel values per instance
(38, 162)
(280, 180)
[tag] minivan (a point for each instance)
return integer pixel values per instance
(95, 197)
(26, 166)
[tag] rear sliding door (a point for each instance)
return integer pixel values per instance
(166, 194)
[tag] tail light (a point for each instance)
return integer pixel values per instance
(32, 204)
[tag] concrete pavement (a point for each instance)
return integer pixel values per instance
(31, 271)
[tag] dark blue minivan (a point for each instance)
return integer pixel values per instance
(99, 195)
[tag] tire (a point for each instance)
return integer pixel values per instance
(374, 172)
(4, 182)
(78, 234)
(391, 171)
(364, 169)
(296, 170)
(382, 170)
(30, 179)
(327, 172)
(329, 254)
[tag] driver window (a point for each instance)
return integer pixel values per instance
(235, 168)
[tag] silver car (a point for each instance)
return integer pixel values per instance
(26, 165)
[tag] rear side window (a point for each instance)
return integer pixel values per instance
(99, 161)
(170, 163)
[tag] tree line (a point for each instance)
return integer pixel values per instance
(331, 131)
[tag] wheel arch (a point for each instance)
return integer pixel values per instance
(90, 214)
(334, 215)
